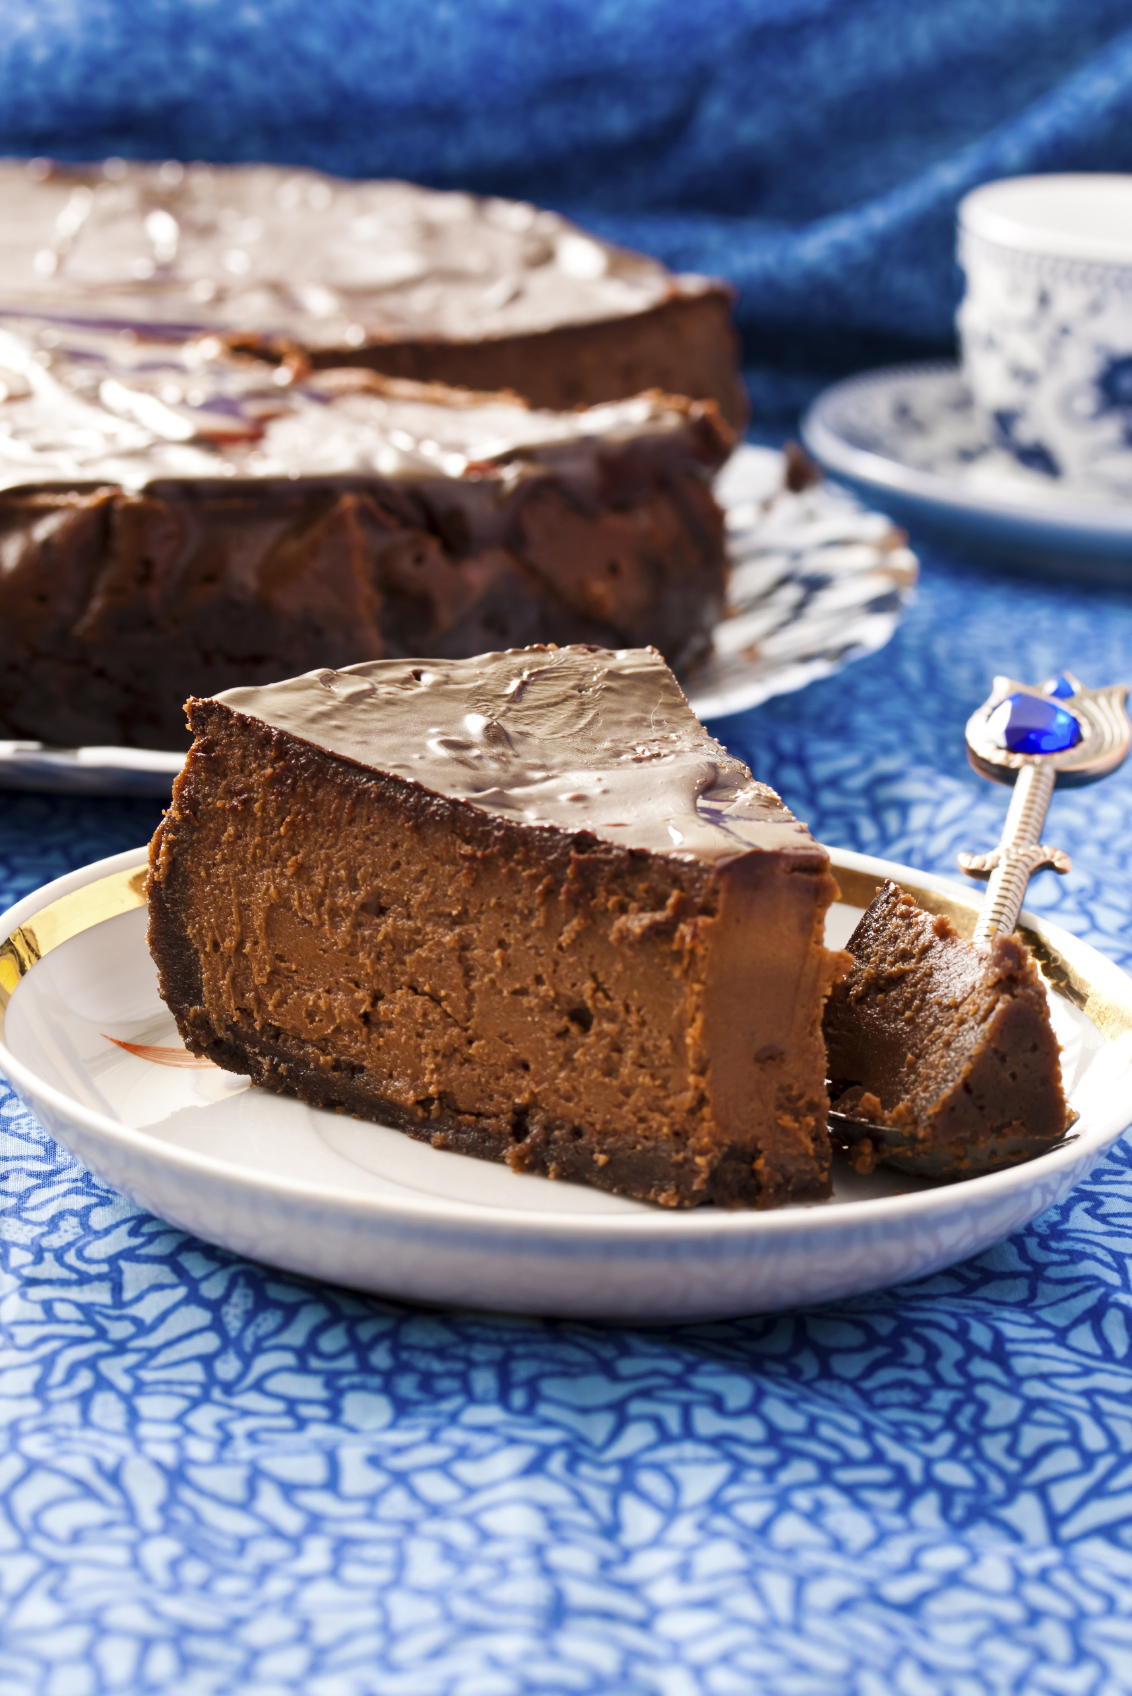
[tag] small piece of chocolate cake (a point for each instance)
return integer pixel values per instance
(521, 906)
(177, 518)
(945, 1046)
(414, 282)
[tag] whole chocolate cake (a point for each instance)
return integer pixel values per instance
(945, 1046)
(521, 906)
(176, 518)
(437, 287)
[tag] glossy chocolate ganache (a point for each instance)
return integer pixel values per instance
(180, 517)
(417, 283)
(522, 906)
(575, 738)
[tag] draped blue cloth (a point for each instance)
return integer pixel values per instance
(811, 150)
(218, 1479)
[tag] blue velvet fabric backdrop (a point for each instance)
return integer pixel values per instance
(811, 150)
(218, 1480)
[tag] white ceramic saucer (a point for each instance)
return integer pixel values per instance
(909, 438)
(92, 1050)
(815, 582)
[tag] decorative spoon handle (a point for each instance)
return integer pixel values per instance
(1018, 856)
(1034, 737)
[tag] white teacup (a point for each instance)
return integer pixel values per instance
(1046, 323)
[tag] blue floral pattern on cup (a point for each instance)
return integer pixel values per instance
(1047, 351)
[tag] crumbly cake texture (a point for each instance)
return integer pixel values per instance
(437, 287)
(949, 1043)
(178, 518)
(522, 906)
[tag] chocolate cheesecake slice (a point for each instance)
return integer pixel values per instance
(178, 518)
(474, 292)
(521, 906)
(944, 1046)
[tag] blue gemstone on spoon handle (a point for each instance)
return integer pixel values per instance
(1031, 724)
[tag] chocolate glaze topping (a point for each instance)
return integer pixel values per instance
(579, 738)
(329, 263)
(81, 406)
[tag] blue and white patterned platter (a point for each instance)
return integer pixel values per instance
(92, 1050)
(815, 582)
(909, 437)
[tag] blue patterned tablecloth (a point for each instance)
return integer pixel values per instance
(215, 1478)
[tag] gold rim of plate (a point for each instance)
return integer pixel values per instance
(1102, 992)
(70, 915)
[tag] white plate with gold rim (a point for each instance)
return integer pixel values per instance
(816, 581)
(92, 1050)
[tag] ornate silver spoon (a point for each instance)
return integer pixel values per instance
(1033, 737)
